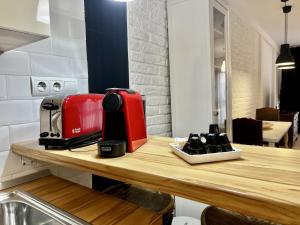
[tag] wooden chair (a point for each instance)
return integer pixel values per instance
(247, 131)
(270, 114)
(216, 216)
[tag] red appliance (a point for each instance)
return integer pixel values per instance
(70, 121)
(124, 118)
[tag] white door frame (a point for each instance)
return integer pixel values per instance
(222, 7)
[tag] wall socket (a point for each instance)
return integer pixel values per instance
(27, 162)
(44, 86)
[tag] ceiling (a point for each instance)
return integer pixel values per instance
(269, 16)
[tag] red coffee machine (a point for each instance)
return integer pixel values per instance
(124, 118)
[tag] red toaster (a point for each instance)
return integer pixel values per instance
(124, 118)
(70, 121)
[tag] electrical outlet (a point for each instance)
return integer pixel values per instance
(56, 87)
(40, 87)
(27, 162)
(44, 86)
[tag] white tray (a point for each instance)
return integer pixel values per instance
(205, 158)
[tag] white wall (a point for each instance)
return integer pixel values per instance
(62, 55)
(190, 66)
(245, 67)
(148, 61)
(267, 77)
(253, 68)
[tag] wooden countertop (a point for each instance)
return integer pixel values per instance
(276, 132)
(94, 207)
(264, 183)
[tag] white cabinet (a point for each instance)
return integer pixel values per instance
(193, 50)
(19, 24)
(190, 66)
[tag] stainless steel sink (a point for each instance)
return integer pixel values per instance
(21, 208)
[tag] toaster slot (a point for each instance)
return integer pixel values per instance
(54, 119)
(50, 106)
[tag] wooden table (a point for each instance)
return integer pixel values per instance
(278, 131)
(264, 183)
(94, 207)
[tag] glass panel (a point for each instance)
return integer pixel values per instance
(220, 77)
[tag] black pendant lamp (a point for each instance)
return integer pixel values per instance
(285, 59)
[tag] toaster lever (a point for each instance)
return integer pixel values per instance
(50, 106)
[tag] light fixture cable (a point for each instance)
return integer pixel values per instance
(285, 26)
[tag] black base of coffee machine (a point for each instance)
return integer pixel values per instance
(111, 149)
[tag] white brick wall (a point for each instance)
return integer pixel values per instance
(62, 55)
(245, 56)
(148, 61)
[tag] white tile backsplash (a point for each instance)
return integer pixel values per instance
(80, 69)
(15, 112)
(61, 55)
(63, 47)
(62, 25)
(83, 86)
(49, 65)
(24, 132)
(2, 87)
(14, 63)
(18, 87)
(36, 109)
(71, 8)
(10, 163)
(4, 138)
(43, 46)
(3, 162)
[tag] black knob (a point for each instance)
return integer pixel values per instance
(192, 135)
(44, 134)
(112, 102)
(195, 142)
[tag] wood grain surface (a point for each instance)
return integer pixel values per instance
(94, 207)
(264, 183)
(276, 132)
